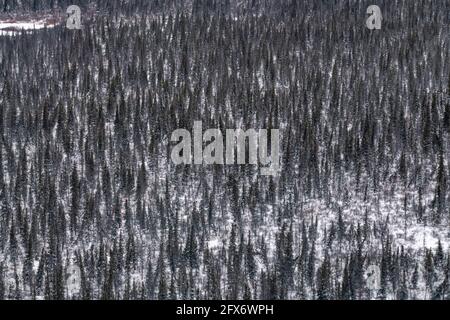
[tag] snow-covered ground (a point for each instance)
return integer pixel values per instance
(11, 28)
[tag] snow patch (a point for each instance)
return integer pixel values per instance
(11, 28)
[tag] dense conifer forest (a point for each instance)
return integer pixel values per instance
(92, 207)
